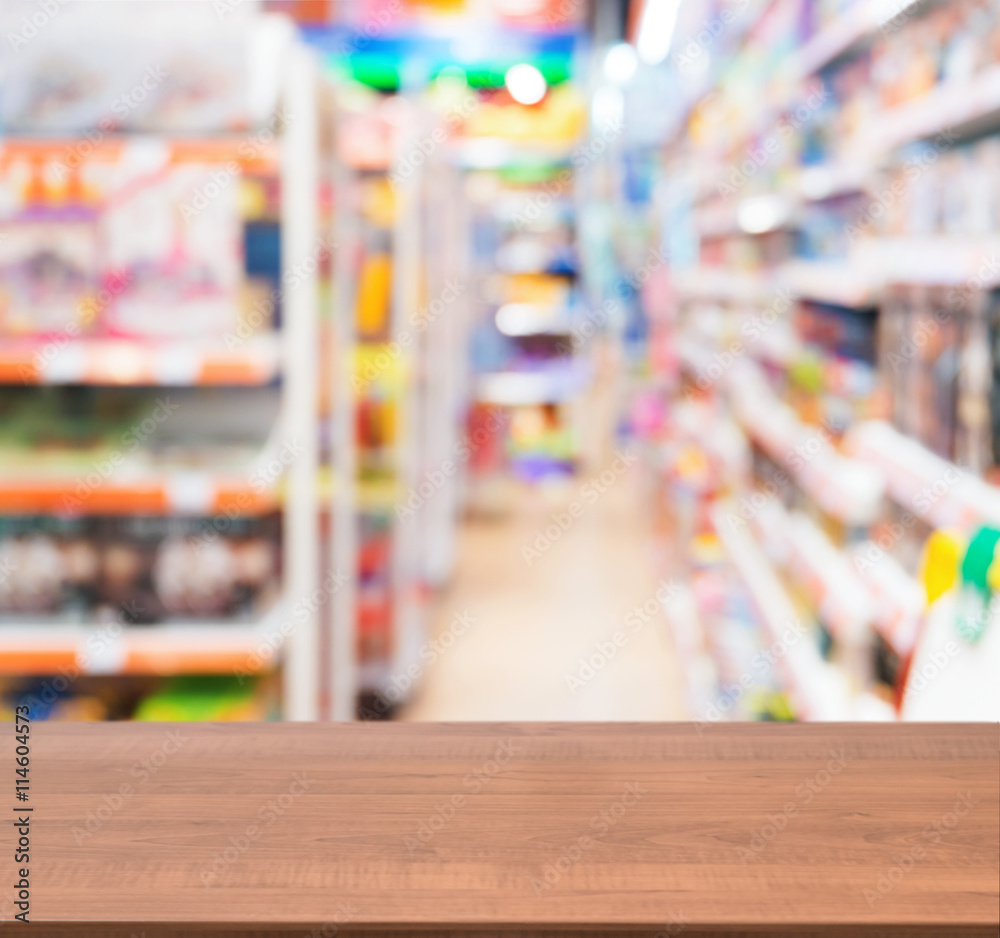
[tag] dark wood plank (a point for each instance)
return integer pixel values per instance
(817, 829)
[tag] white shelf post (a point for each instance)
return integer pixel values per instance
(300, 258)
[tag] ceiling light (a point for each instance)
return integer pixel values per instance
(525, 83)
(620, 63)
(517, 319)
(656, 30)
(762, 214)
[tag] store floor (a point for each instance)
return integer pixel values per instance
(524, 608)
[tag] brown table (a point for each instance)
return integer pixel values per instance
(476, 829)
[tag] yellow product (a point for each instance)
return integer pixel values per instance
(939, 565)
(379, 370)
(993, 573)
(374, 290)
(537, 289)
(379, 203)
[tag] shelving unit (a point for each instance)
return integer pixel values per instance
(198, 500)
(786, 283)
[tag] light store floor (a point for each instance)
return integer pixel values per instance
(509, 634)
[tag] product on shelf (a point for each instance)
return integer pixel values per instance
(151, 568)
(206, 698)
(134, 239)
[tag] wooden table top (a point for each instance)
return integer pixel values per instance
(465, 828)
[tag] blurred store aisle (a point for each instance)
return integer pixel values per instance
(509, 634)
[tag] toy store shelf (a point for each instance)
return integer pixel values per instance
(697, 667)
(42, 647)
(177, 493)
(918, 480)
(252, 361)
(899, 600)
(828, 180)
(847, 489)
(847, 32)
(824, 574)
(842, 283)
(818, 689)
(941, 260)
(513, 388)
(721, 284)
(252, 153)
(859, 282)
(829, 580)
(956, 108)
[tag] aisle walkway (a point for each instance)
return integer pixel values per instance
(524, 609)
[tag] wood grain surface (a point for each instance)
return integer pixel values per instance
(477, 829)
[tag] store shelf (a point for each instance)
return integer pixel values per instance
(828, 577)
(180, 493)
(899, 600)
(818, 690)
(943, 260)
(253, 361)
(957, 109)
(513, 388)
(845, 34)
(52, 647)
(721, 284)
(843, 283)
(697, 668)
(829, 180)
(844, 488)
(253, 155)
(932, 488)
